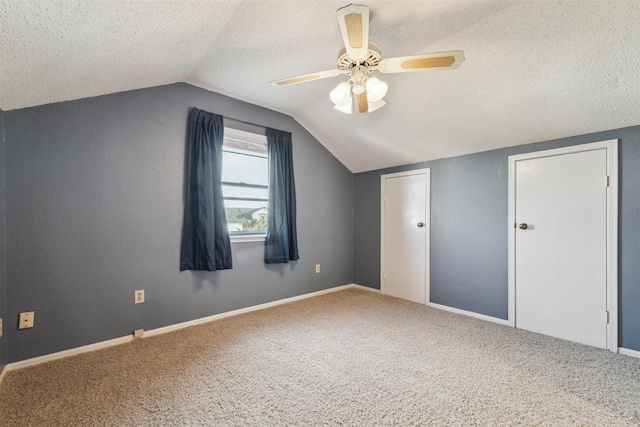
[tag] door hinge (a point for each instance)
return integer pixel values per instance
(607, 181)
(606, 316)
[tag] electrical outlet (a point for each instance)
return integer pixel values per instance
(317, 268)
(26, 319)
(138, 296)
(138, 333)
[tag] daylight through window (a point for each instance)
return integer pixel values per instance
(245, 182)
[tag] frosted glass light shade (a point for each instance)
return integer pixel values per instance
(373, 106)
(376, 89)
(344, 108)
(341, 95)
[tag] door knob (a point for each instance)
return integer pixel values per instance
(420, 224)
(522, 226)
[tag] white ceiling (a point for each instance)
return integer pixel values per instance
(534, 70)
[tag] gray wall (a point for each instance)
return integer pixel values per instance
(94, 212)
(3, 253)
(469, 228)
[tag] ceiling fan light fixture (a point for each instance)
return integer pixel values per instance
(341, 95)
(376, 89)
(348, 96)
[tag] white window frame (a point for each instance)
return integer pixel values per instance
(251, 138)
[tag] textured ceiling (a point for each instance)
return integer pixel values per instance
(534, 70)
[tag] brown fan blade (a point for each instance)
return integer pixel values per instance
(360, 103)
(354, 26)
(406, 64)
(306, 78)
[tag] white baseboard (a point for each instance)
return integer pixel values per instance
(232, 313)
(2, 374)
(470, 314)
(364, 288)
(628, 352)
(66, 353)
(152, 332)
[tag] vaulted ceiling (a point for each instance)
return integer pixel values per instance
(534, 70)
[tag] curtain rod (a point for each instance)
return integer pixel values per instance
(245, 122)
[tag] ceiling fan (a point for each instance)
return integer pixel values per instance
(359, 58)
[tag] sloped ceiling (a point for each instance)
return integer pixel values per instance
(534, 70)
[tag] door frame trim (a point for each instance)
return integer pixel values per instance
(611, 147)
(427, 173)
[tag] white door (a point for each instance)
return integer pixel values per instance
(561, 246)
(405, 235)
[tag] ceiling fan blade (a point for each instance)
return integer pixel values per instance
(354, 26)
(360, 103)
(406, 64)
(306, 78)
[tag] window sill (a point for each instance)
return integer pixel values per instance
(249, 238)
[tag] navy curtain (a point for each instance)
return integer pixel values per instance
(205, 236)
(281, 243)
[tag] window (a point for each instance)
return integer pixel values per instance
(245, 184)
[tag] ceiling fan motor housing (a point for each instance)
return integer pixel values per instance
(359, 78)
(346, 63)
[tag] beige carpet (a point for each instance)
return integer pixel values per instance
(351, 358)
